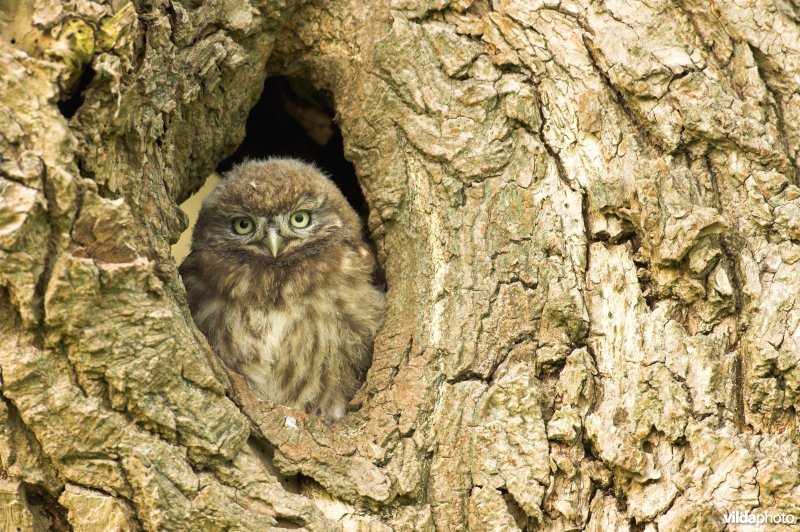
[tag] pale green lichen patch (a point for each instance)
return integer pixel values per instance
(74, 49)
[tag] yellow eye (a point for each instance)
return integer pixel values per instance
(243, 226)
(300, 219)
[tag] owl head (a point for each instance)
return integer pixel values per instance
(277, 211)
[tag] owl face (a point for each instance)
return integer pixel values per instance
(280, 235)
(277, 211)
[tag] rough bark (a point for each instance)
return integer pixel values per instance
(589, 219)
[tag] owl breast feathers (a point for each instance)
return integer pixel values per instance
(280, 282)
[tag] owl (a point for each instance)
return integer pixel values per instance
(280, 281)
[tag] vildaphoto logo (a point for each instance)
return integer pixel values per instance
(747, 518)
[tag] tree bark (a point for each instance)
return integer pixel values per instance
(589, 218)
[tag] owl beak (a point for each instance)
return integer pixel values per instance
(274, 242)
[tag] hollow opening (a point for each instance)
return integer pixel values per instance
(291, 119)
(70, 104)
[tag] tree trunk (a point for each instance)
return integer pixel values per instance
(589, 218)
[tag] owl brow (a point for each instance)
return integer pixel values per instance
(308, 203)
(230, 214)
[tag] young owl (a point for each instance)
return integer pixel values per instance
(279, 280)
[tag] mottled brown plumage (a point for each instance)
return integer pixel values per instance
(290, 307)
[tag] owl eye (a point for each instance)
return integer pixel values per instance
(300, 219)
(243, 226)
